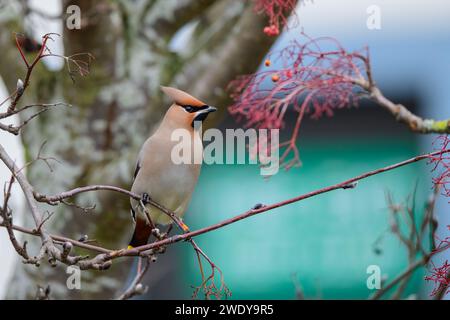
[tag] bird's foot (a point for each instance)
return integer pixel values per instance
(145, 198)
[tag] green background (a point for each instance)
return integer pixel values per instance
(330, 237)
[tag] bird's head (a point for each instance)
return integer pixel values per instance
(186, 109)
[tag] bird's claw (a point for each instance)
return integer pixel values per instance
(145, 198)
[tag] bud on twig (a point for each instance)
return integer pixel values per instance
(156, 232)
(19, 87)
(350, 185)
(83, 238)
(67, 247)
(140, 289)
(258, 206)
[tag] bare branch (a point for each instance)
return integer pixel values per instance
(81, 66)
(103, 260)
(7, 222)
(42, 105)
(136, 287)
(399, 111)
(411, 268)
(48, 247)
(131, 252)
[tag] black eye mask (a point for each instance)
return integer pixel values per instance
(192, 109)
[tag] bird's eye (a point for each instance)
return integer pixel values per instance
(189, 108)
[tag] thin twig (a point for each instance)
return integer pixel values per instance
(136, 287)
(411, 268)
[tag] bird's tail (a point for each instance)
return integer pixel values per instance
(142, 232)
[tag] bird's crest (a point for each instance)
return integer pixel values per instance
(182, 98)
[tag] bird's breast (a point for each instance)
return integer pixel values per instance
(167, 182)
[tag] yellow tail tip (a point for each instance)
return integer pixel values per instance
(130, 247)
(184, 227)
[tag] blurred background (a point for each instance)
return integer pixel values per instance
(319, 248)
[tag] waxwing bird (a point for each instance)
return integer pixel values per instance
(157, 176)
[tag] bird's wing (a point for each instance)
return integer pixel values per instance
(138, 163)
(143, 150)
(136, 171)
(133, 214)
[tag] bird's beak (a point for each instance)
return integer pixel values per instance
(211, 109)
(205, 112)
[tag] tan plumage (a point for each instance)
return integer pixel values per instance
(165, 182)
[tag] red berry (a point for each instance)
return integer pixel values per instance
(271, 30)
